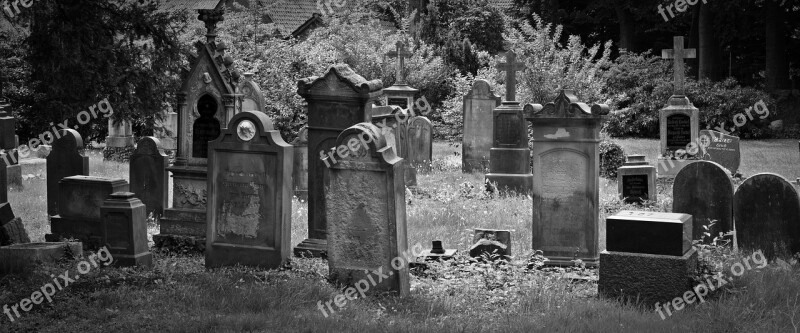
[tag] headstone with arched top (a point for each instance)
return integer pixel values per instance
(148, 174)
(64, 161)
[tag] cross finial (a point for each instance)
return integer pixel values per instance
(679, 54)
(511, 66)
(401, 53)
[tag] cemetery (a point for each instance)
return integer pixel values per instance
(402, 166)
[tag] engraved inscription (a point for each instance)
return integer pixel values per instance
(507, 130)
(634, 188)
(243, 213)
(679, 131)
(565, 206)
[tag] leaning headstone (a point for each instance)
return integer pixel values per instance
(367, 212)
(250, 195)
(16, 258)
(119, 143)
(149, 179)
(637, 180)
(722, 149)
(492, 243)
(704, 190)
(64, 161)
(479, 104)
(125, 230)
(420, 143)
(300, 168)
(12, 231)
(566, 181)
(767, 214)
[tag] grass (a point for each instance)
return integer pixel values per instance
(180, 295)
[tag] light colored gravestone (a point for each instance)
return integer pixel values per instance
(250, 201)
(167, 131)
(367, 213)
(64, 161)
(300, 168)
(120, 142)
(148, 175)
(252, 99)
(566, 184)
(400, 93)
(3, 179)
(722, 149)
(704, 190)
(393, 122)
(479, 104)
(420, 143)
(767, 214)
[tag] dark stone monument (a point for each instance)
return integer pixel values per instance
(148, 175)
(492, 243)
(767, 214)
(510, 156)
(12, 231)
(300, 168)
(704, 190)
(679, 120)
(420, 143)
(64, 161)
(366, 210)
(125, 230)
(566, 181)
(649, 233)
(17, 258)
(337, 100)
(636, 181)
(722, 149)
(479, 104)
(3, 179)
(400, 93)
(250, 206)
(8, 144)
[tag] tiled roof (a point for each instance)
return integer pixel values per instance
(191, 5)
(289, 15)
(503, 4)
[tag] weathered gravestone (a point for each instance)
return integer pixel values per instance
(400, 93)
(125, 230)
(9, 142)
(119, 142)
(566, 182)
(510, 156)
(704, 190)
(479, 104)
(64, 161)
(366, 211)
(166, 131)
(722, 149)
(250, 202)
(12, 231)
(251, 97)
(393, 122)
(767, 214)
(300, 168)
(337, 100)
(420, 143)
(148, 175)
(3, 179)
(18, 258)
(636, 181)
(79, 216)
(496, 244)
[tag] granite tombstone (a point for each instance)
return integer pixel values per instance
(125, 230)
(767, 214)
(148, 175)
(420, 143)
(722, 149)
(479, 104)
(636, 180)
(704, 190)
(64, 161)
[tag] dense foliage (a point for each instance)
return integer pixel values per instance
(612, 157)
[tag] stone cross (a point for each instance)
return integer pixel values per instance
(401, 53)
(511, 66)
(679, 54)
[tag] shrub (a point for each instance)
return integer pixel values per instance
(611, 158)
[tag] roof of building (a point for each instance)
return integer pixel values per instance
(503, 4)
(192, 5)
(292, 17)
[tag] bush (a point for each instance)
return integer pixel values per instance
(611, 158)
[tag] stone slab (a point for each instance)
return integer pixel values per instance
(148, 175)
(722, 149)
(649, 233)
(767, 214)
(13, 232)
(16, 258)
(646, 278)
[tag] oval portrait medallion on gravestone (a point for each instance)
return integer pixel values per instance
(246, 130)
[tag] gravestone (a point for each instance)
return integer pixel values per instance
(393, 121)
(767, 214)
(9, 142)
(479, 104)
(649, 232)
(148, 175)
(12, 231)
(679, 120)
(366, 210)
(704, 190)
(300, 168)
(3, 179)
(167, 132)
(251, 97)
(438, 252)
(566, 183)
(722, 149)
(492, 243)
(18, 257)
(337, 100)
(400, 93)
(420, 143)
(119, 142)
(64, 161)
(637, 180)
(80, 199)
(250, 203)
(125, 230)
(510, 156)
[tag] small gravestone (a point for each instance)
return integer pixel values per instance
(438, 252)
(300, 168)
(251, 97)
(704, 190)
(119, 142)
(250, 195)
(148, 176)
(420, 143)
(125, 230)
(64, 161)
(637, 180)
(17, 257)
(479, 104)
(649, 232)
(366, 212)
(12, 231)
(722, 149)
(491, 243)
(767, 214)
(79, 200)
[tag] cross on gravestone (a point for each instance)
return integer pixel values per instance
(679, 54)
(511, 66)
(401, 52)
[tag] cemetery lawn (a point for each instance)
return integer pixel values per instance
(179, 294)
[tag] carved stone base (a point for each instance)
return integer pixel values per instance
(312, 248)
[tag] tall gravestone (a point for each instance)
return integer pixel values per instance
(393, 121)
(167, 132)
(250, 95)
(479, 104)
(148, 175)
(64, 161)
(400, 93)
(300, 169)
(767, 214)
(3, 179)
(510, 155)
(420, 143)
(366, 212)
(119, 142)
(337, 100)
(566, 183)
(722, 149)
(679, 120)
(704, 190)
(9, 142)
(250, 202)
(125, 230)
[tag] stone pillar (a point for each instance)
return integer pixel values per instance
(125, 230)
(509, 166)
(680, 127)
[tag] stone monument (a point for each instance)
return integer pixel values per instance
(64, 161)
(479, 104)
(9, 142)
(722, 149)
(767, 213)
(125, 230)
(119, 142)
(400, 94)
(704, 190)
(420, 143)
(300, 168)
(636, 180)
(148, 175)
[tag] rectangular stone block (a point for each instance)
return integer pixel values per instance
(7, 133)
(16, 258)
(648, 278)
(13, 233)
(80, 197)
(649, 233)
(125, 230)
